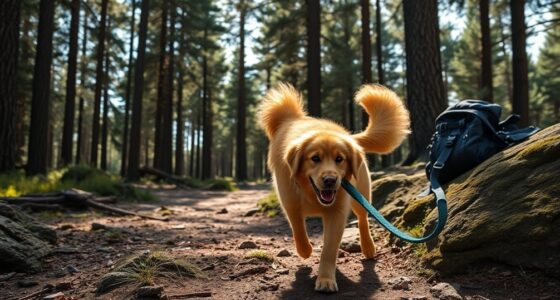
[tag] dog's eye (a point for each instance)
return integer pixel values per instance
(338, 159)
(315, 158)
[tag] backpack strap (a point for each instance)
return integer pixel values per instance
(515, 136)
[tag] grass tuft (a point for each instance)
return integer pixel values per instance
(260, 254)
(269, 205)
(144, 269)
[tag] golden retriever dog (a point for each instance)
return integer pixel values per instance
(309, 157)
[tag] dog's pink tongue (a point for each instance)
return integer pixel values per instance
(327, 196)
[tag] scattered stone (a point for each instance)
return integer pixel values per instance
(248, 245)
(223, 211)
(56, 296)
(149, 292)
(400, 283)
(419, 298)
(350, 241)
(270, 287)
(72, 269)
(251, 212)
(282, 271)
(178, 227)
(342, 253)
(65, 227)
(445, 291)
(24, 283)
(98, 226)
(269, 276)
(63, 286)
(59, 273)
(284, 253)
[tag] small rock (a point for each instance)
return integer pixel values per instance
(149, 292)
(223, 211)
(247, 245)
(400, 283)
(26, 283)
(445, 291)
(65, 227)
(282, 271)
(251, 212)
(273, 287)
(342, 253)
(419, 298)
(269, 276)
(98, 226)
(350, 241)
(63, 286)
(57, 296)
(284, 253)
(72, 269)
(60, 273)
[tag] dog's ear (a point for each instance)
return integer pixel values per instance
(293, 158)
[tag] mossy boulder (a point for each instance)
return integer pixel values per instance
(507, 209)
(23, 240)
(391, 192)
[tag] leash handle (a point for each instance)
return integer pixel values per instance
(441, 205)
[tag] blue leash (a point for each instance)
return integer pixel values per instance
(441, 205)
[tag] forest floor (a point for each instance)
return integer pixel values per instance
(206, 228)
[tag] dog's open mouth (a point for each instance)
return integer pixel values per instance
(326, 197)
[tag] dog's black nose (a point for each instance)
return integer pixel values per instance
(329, 181)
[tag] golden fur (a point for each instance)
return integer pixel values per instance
(304, 152)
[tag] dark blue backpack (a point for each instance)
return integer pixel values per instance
(467, 134)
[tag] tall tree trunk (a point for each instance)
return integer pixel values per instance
(69, 107)
(105, 126)
(207, 131)
(9, 37)
(40, 102)
(180, 136)
(314, 57)
(241, 153)
(124, 150)
(486, 43)
(98, 85)
(425, 92)
(167, 118)
(134, 152)
(162, 72)
(519, 62)
(83, 71)
(507, 62)
(386, 160)
(193, 139)
(199, 146)
(366, 52)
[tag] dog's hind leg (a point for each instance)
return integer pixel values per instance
(332, 235)
(364, 186)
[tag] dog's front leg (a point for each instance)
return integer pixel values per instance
(299, 231)
(332, 235)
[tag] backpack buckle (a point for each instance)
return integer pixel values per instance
(438, 165)
(450, 140)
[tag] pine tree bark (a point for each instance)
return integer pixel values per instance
(424, 82)
(167, 118)
(180, 136)
(134, 152)
(69, 107)
(241, 153)
(199, 126)
(193, 139)
(366, 51)
(9, 37)
(40, 101)
(99, 78)
(160, 105)
(520, 103)
(105, 128)
(124, 150)
(386, 160)
(314, 58)
(486, 43)
(208, 133)
(83, 71)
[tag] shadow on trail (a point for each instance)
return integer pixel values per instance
(303, 287)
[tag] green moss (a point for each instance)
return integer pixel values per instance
(543, 149)
(261, 255)
(269, 205)
(417, 210)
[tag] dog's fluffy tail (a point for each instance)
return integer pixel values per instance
(389, 121)
(280, 104)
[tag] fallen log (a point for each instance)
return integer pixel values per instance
(178, 181)
(77, 199)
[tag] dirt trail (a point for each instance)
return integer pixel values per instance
(207, 228)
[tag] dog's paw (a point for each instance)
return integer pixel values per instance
(368, 251)
(326, 285)
(304, 250)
